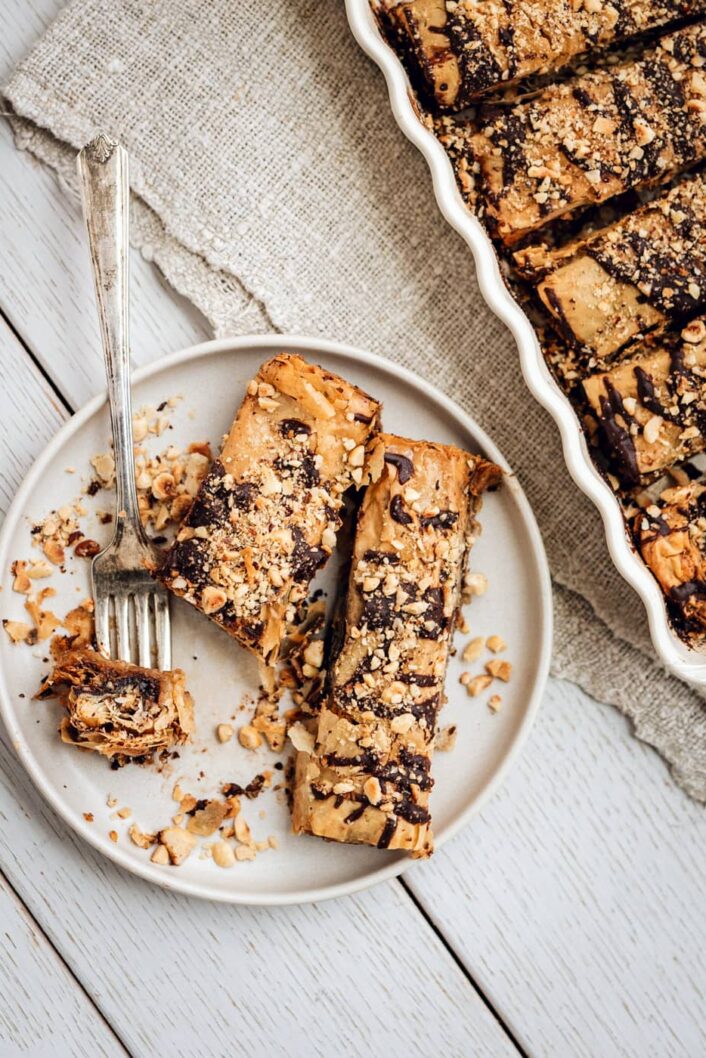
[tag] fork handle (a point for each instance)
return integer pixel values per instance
(105, 191)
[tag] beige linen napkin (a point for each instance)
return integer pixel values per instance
(274, 190)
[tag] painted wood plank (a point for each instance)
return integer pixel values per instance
(43, 1011)
(46, 286)
(45, 282)
(30, 414)
(360, 976)
(569, 899)
(23, 22)
(576, 899)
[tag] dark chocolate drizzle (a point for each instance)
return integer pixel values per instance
(405, 466)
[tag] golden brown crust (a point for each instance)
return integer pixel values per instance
(637, 275)
(572, 146)
(266, 516)
(367, 778)
(124, 712)
(464, 48)
(671, 537)
(651, 407)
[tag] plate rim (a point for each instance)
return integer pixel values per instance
(683, 661)
(278, 343)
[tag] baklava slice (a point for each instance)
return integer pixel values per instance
(671, 537)
(651, 407)
(641, 273)
(366, 777)
(266, 516)
(124, 712)
(464, 48)
(586, 140)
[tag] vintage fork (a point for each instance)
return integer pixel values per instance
(128, 601)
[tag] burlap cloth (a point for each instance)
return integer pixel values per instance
(274, 190)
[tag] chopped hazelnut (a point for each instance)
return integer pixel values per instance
(245, 852)
(178, 843)
(213, 599)
(249, 737)
(476, 583)
(372, 790)
(478, 684)
(242, 830)
(223, 854)
(473, 649)
(501, 670)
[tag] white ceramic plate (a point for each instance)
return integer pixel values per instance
(689, 664)
(517, 605)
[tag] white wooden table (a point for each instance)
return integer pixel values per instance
(566, 921)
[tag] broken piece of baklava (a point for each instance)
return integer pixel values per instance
(464, 48)
(671, 537)
(586, 140)
(366, 777)
(122, 711)
(636, 276)
(266, 516)
(651, 407)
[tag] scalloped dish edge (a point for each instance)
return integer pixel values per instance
(684, 662)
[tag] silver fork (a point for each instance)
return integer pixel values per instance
(128, 602)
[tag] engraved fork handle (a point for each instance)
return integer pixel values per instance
(105, 191)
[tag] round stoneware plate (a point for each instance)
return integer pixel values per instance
(211, 379)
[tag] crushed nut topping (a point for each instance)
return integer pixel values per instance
(365, 777)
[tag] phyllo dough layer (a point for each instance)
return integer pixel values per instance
(586, 140)
(266, 516)
(124, 712)
(671, 536)
(367, 778)
(651, 407)
(463, 48)
(641, 273)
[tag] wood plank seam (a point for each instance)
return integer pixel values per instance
(36, 363)
(457, 958)
(77, 981)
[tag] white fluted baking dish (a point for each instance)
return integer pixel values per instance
(676, 655)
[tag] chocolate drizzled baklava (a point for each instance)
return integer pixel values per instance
(367, 777)
(651, 407)
(596, 136)
(124, 712)
(671, 537)
(266, 516)
(646, 270)
(464, 48)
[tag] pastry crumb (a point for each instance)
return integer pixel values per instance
(178, 843)
(446, 738)
(140, 838)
